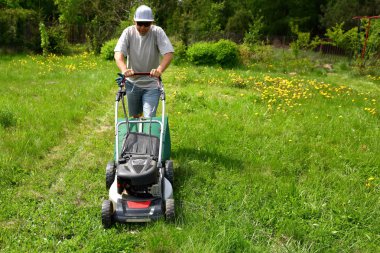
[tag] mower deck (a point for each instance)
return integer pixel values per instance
(133, 209)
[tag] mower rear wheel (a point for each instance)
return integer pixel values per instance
(169, 172)
(110, 174)
(107, 214)
(170, 211)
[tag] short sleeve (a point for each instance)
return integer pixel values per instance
(122, 43)
(163, 42)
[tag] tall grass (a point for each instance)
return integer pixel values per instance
(265, 161)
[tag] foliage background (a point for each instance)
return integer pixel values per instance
(94, 22)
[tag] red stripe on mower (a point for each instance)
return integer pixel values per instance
(138, 204)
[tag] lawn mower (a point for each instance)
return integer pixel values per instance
(140, 177)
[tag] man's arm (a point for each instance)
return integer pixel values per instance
(165, 62)
(120, 62)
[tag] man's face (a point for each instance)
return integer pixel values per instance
(143, 27)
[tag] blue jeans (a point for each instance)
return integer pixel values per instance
(142, 100)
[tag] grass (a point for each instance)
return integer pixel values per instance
(266, 160)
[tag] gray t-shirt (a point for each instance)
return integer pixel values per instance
(143, 52)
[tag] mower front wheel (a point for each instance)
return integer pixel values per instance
(169, 212)
(107, 214)
(169, 172)
(110, 174)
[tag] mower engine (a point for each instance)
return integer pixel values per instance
(139, 176)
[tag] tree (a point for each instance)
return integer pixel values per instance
(99, 18)
(338, 11)
(163, 11)
(201, 18)
(96, 21)
(19, 28)
(239, 24)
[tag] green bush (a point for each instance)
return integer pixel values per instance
(246, 54)
(53, 39)
(224, 53)
(227, 53)
(202, 53)
(253, 35)
(106, 51)
(44, 39)
(302, 42)
(348, 40)
(180, 52)
(57, 40)
(258, 53)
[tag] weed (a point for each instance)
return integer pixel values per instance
(7, 118)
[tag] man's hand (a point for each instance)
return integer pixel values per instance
(156, 72)
(129, 72)
(166, 59)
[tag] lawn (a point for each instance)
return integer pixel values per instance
(266, 160)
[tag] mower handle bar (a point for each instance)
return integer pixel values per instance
(141, 74)
(144, 74)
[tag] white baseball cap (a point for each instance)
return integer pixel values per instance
(143, 14)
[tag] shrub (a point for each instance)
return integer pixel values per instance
(53, 39)
(227, 53)
(263, 53)
(202, 53)
(246, 54)
(106, 51)
(302, 42)
(57, 40)
(224, 52)
(253, 35)
(258, 53)
(44, 39)
(180, 52)
(348, 40)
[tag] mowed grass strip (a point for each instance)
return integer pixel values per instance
(263, 163)
(43, 98)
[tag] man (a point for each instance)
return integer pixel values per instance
(142, 44)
